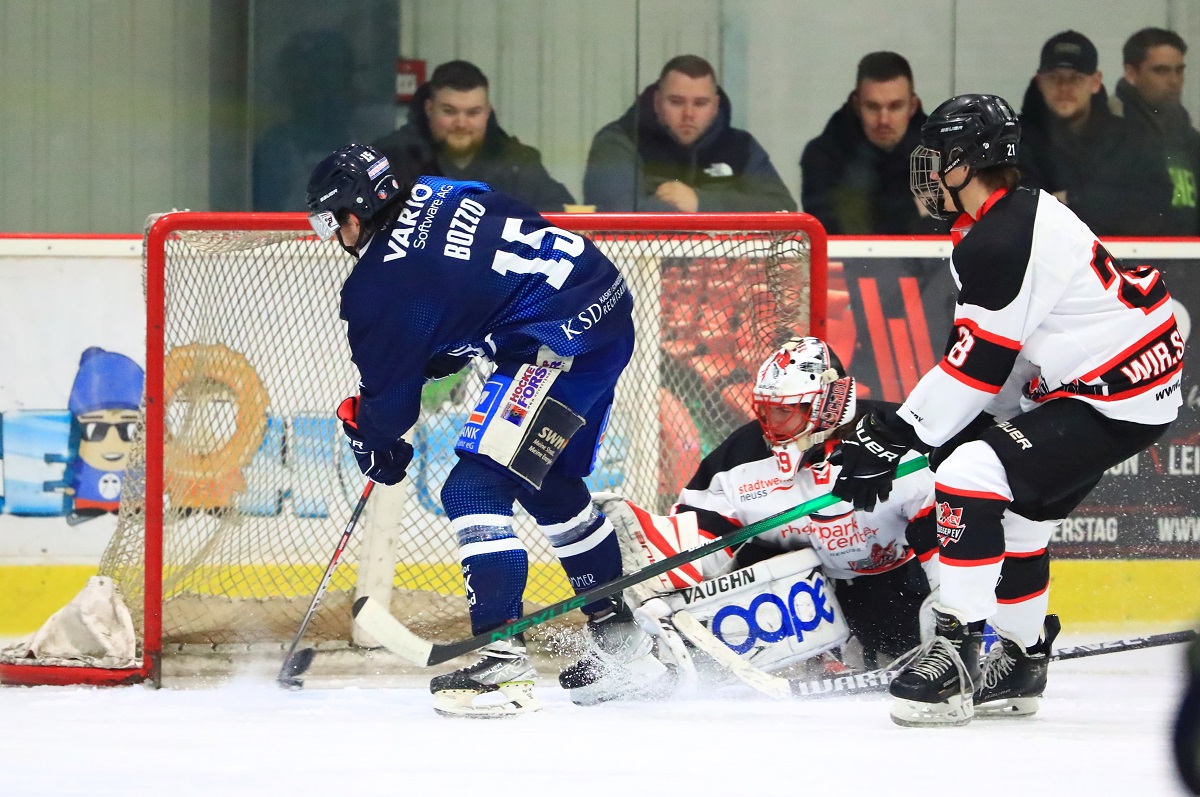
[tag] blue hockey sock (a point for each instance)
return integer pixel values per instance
(587, 547)
(495, 567)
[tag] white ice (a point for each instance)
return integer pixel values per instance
(1103, 730)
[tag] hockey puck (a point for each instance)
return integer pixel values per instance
(290, 682)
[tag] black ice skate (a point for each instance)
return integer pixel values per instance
(1015, 677)
(503, 680)
(935, 687)
(619, 663)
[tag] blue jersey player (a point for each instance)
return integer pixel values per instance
(450, 270)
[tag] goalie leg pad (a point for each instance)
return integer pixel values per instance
(646, 538)
(774, 613)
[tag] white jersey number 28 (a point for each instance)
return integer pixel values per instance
(556, 271)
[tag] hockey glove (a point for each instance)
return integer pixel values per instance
(384, 467)
(869, 457)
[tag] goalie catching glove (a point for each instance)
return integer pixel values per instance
(383, 467)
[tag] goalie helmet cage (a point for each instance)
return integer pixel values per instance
(239, 481)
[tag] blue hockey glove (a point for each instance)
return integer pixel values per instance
(384, 467)
(868, 457)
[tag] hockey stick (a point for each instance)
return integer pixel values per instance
(396, 637)
(761, 681)
(875, 681)
(297, 662)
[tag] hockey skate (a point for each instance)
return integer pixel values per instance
(500, 684)
(1015, 677)
(936, 685)
(619, 663)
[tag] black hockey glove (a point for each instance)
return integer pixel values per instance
(869, 457)
(384, 467)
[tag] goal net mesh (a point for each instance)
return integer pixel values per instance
(259, 482)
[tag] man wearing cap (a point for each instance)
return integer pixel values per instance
(1075, 148)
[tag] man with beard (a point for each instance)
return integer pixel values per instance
(452, 131)
(1075, 148)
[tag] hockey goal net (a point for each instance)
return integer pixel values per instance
(240, 483)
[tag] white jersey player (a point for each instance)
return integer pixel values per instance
(852, 572)
(1062, 363)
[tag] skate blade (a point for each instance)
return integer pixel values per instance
(510, 699)
(956, 710)
(1010, 707)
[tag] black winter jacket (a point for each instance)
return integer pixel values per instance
(856, 188)
(1114, 183)
(503, 162)
(1169, 130)
(729, 170)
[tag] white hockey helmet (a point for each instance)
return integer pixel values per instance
(802, 394)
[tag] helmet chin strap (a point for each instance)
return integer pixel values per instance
(954, 191)
(342, 241)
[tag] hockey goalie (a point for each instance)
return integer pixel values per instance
(798, 593)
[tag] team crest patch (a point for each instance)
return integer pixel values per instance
(949, 521)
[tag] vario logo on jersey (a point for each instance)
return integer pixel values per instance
(771, 618)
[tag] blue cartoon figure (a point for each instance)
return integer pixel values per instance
(104, 403)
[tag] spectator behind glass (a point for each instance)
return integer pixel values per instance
(1075, 148)
(674, 150)
(316, 83)
(452, 130)
(1148, 97)
(854, 176)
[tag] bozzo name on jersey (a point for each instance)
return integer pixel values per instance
(463, 225)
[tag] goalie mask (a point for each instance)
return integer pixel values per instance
(802, 394)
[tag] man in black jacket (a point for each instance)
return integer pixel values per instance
(452, 130)
(854, 176)
(675, 150)
(1148, 98)
(1072, 146)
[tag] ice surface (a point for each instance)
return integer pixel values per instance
(1103, 730)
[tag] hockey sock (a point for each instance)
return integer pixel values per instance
(587, 547)
(495, 567)
(972, 495)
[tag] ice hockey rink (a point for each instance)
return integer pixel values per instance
(1103, 729)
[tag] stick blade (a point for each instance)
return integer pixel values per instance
(765, 683)
(372, 617)
(294, 666)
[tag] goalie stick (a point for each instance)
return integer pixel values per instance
(375, 619)
(297, 662)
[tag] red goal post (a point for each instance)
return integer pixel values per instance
(239, 482)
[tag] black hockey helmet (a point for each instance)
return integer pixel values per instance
(972, 130)
(354, 179)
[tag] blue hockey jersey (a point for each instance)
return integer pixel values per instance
(467, 271)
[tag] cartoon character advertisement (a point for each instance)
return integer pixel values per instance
(71, 380)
